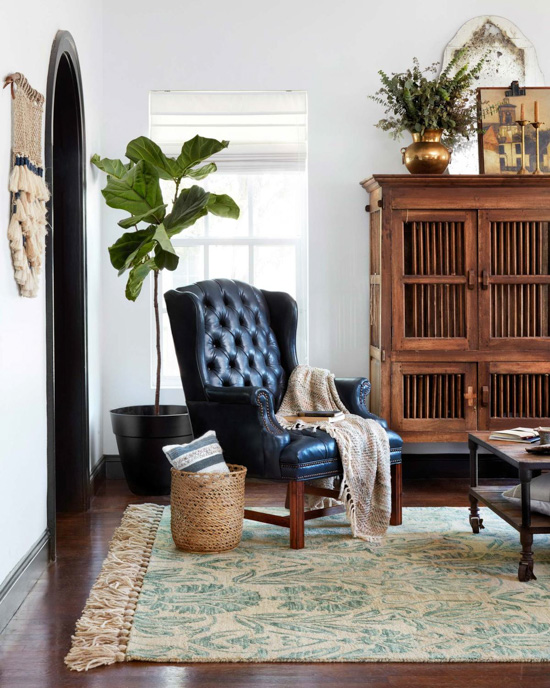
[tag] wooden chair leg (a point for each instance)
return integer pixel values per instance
(287, 498)
(396, 518)
(296, 506)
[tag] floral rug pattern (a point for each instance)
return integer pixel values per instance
(432, 592)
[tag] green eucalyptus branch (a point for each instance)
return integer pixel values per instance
(416, 100)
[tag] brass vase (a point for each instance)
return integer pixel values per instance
(427, 155)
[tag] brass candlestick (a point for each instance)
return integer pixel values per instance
(523, 123)
(536, 126)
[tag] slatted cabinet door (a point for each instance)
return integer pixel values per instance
(434, 397)
(514, 264)
(514, 394)
(434, 280)
(377, 353)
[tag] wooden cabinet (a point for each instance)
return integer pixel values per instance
(459, 303)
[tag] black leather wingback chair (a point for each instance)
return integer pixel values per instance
(236, 348)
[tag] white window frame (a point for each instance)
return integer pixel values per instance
(300, 244)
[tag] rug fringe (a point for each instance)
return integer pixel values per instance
(102, 631)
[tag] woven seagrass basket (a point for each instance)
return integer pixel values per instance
(207, 509)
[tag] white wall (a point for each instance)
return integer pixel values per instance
(25, 42)
(331, 49)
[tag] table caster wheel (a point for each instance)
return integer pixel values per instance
(525, 573)
(476, 523)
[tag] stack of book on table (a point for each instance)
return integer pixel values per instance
(525, 435)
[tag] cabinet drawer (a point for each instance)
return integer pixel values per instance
(513, 394)
(434, 397)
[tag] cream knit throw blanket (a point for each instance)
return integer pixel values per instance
(363, 446)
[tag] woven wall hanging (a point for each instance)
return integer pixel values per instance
(29, 194)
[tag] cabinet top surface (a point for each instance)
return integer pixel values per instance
(456, 180)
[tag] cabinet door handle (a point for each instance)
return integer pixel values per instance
(470, 396)
(485, 395)
(471, 279)
(485, 279)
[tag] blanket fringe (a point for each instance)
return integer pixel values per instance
(103, 629)
(347, 500)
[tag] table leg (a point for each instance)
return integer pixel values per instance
(472, 446)
(526, 563)
(525, 477)
(525, 570)
(475, 521)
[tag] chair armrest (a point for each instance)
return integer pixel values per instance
(232, 395)
(382, 421)
(353, 392)
(260, 397)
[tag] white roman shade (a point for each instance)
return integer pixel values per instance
(267, 130)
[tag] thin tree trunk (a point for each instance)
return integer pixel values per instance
(157, 331)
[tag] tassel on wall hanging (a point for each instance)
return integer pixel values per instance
(29, 194)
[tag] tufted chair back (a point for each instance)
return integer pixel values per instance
(223, 336)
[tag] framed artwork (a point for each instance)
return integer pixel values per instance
(500, 136)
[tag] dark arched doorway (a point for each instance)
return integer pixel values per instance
(66, 286)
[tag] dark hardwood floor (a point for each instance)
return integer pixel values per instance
(34, 643)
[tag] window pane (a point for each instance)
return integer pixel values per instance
(264, 170)
(169, 362)
(275, 268)
(277, 204)
(236, 186)
(190, 268)
(228, 261)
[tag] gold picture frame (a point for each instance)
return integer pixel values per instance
(500, 137)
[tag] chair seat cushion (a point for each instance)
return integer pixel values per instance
(314, 454)
(311, 454)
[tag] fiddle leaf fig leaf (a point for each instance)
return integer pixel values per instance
(155, 215)
(113, 167)
(138, 191)
(137, 256)
(136, 278)
(198, 149)
(165, 254)
(135, 188)
(190, 205)
(201, 172)
(223, 205)
(144, 149)
(124, 250)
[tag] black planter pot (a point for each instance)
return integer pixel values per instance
(140, 437)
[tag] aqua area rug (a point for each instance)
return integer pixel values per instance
(433, 592)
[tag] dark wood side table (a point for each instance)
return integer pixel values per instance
(529, 466)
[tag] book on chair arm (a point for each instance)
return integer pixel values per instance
(316, 416)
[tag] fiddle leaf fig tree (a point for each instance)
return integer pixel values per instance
(135, 188)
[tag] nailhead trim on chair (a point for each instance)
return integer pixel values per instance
(324, 474)
(364, 390)
(273, 426)
(309, 463)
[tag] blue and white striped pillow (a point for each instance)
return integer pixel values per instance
(203, 455)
